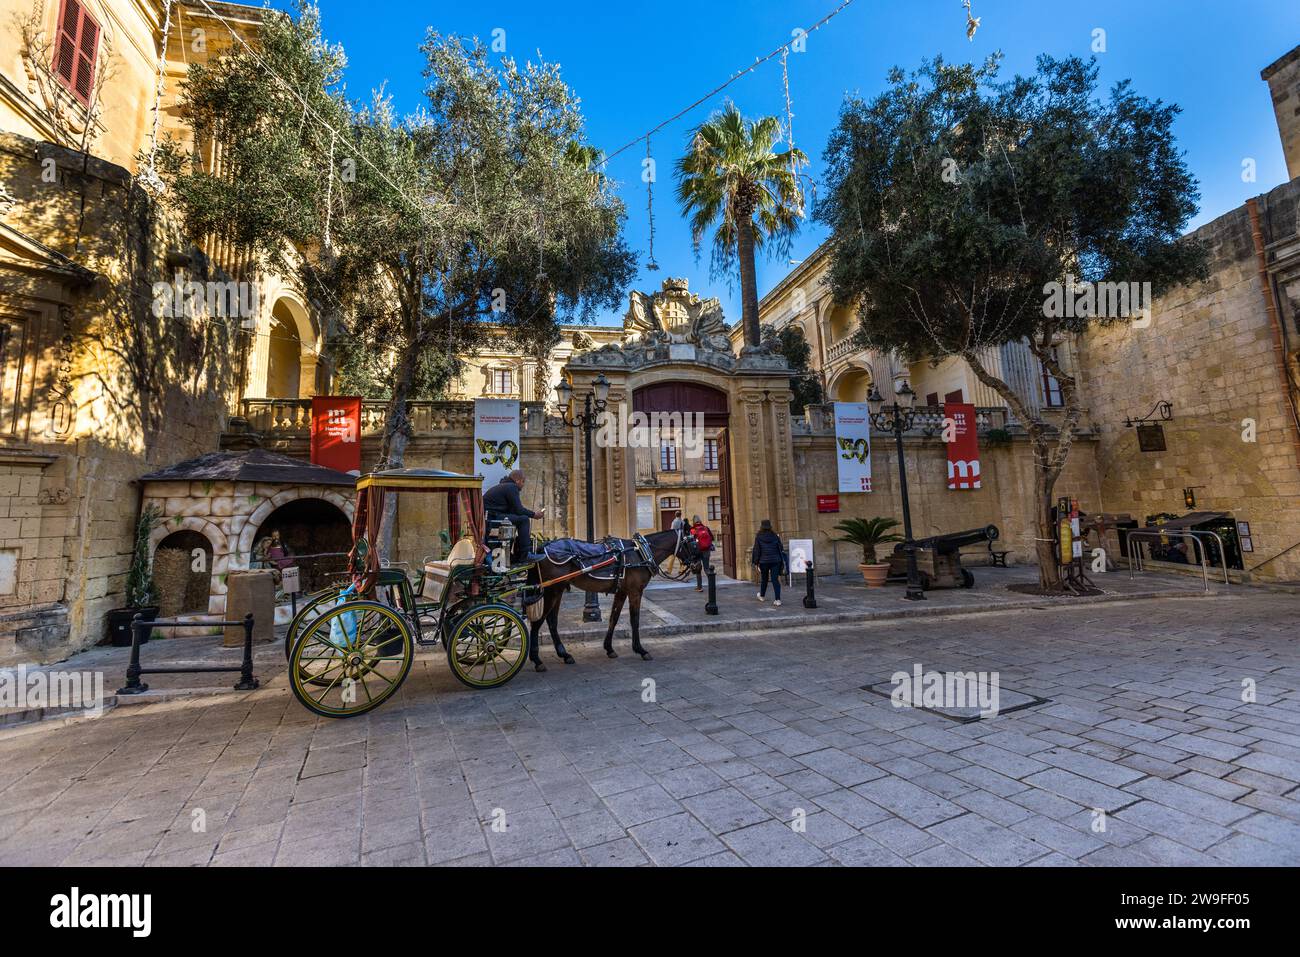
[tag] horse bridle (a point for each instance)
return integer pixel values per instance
(647, 553)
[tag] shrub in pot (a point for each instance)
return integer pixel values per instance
(867, 533)
(141, 593)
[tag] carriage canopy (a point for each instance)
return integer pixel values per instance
(464, 509)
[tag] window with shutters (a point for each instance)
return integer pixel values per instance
(76, 50)
(668, 457)
(715, 508)
(503, 382)
(1052, 396)
(710, 455)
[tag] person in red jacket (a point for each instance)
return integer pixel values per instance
(703, 539)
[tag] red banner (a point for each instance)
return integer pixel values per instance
(963, 447)
(336, 432)
(828, 503)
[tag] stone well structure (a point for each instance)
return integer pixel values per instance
(226, 497)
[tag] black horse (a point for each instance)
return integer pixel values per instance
(636, 575)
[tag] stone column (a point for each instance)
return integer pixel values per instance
(307, 361)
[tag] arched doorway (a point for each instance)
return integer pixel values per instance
(304, 528)
(852, 385)
(284, 354)
(182, 573)
(685, 470)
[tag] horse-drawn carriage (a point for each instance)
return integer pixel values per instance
(350, 647)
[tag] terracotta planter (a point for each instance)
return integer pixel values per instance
(875, 575)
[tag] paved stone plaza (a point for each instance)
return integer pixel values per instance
(750, 733)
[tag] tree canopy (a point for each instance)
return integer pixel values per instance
(732, 180)
(957, 202)
(476, 216)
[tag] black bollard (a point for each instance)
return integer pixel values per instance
(712, 607)
(133, 683)
(810, 599)
(246, 680)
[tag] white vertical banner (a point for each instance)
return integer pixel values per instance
(853, 446)
(496, 438)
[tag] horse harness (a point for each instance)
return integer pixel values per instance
(623, 554)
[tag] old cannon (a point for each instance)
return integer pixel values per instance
(938, 558)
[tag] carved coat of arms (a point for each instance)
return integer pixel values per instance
(674, 314)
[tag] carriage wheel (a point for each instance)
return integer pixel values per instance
(487, 646)
(351, 659)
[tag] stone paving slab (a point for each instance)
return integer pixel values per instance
(755, 748)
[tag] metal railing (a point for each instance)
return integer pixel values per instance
(1137, 563)
(139, 626)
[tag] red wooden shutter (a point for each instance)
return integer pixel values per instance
(76, 50)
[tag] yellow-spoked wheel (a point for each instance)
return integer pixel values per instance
(351, 659)
(311, 609)
(487, 646)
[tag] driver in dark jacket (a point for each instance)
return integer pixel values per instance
(502, 501)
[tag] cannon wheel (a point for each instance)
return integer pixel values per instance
(487, 646)
(967, 578)
(351, 659)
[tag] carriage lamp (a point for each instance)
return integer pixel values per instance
(898, 418)
(1189, 495)
(593, 404)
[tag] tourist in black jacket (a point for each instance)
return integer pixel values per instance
(769, 556)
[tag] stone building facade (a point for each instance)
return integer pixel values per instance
(1226, 356)
(97, 386)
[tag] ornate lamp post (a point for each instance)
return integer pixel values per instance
(898, 418)
(593, 404)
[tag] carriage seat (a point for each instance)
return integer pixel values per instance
(437, 573)
(564, 550)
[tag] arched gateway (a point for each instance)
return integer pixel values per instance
(676, 359)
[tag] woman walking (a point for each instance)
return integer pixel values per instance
(769, 556)
(704, 540)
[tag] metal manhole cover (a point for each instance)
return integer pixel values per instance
(1008, 701)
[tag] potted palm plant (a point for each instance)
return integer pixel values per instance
(141, 592)
(867, 533)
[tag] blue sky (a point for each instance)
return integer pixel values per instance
(636, 64)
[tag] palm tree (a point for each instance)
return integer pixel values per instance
(730, 177)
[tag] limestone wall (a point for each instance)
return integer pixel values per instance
(1210, 351)
(97, 389)
(1005, 499)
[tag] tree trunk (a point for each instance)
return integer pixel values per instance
(397, 433)
(1047, 468)
(1049, 570)
(748, 278)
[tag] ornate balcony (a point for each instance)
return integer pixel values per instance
(841, 350)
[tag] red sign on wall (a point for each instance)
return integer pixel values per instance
(828, 503)
(336, 432)
(963, 449)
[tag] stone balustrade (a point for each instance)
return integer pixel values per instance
(927, 420)
(291, 418)
(842, 349)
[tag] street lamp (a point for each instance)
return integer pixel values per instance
(897, 418)
(593, 404)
